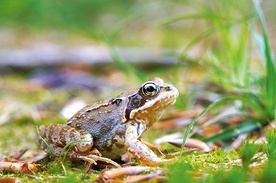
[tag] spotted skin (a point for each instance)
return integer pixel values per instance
(112, 127)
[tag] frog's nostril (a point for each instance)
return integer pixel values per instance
(168, 88)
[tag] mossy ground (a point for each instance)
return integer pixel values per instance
(19, 133)
(223, 31)
(23, 105)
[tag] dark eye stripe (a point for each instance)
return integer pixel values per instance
(135, 101)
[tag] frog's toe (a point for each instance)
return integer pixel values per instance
(156, 161)
(103, 159)
(165, 161)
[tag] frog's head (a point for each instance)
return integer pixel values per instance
(148, 103)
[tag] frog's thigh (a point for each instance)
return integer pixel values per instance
(61, 134)
(138, 149)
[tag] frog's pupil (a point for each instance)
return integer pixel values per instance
(150, 89)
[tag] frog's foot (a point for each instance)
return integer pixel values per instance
(92, 159)
(155, 161)
(100, 158)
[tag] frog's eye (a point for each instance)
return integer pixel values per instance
(150, 89)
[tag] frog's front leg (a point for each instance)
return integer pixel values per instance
(140, 150)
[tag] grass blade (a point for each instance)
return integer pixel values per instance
(125, 66)
(270, 146)
(52, 151)
(245, 127)
(270, 64)
(191, 125)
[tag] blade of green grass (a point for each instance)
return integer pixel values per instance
(247, 153)
(52, 151)
(244, 127)
(270, 146)
(67, 147)
(270, 63)
(125, 66)
(191, 125)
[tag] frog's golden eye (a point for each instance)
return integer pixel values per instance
(150, 89)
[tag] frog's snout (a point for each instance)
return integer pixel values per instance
(171, 88)
(167, 88)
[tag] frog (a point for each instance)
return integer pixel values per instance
(106, 130)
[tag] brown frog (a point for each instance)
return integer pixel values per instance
(107, 130)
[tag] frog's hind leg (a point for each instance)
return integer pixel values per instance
(58, 136)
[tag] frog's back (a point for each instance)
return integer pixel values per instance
(104, 122)
(100, 120)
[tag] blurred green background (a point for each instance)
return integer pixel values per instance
(125, 23)
(208, 49)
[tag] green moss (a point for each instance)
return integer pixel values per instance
(179, 172)
(269, 172)
(17, 137)
(209, 161)
(236, 175)
(247, 154)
